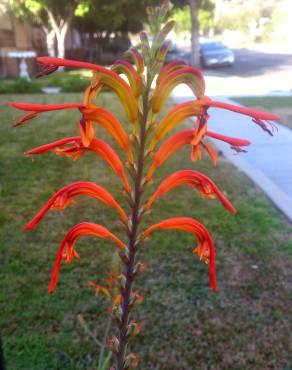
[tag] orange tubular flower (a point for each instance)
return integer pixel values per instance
(65, 196)
(181, 138)
(134, 55)
(67, 251)
(35, 109)
(174, 117)
(76, 149)
(205, 248)
(202, 183)
(106, 77)
(90, 113)
(135, 80)
(93, 113)
(199, 108)
(190, 76)
(260, 118)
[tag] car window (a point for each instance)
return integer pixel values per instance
(212, 46)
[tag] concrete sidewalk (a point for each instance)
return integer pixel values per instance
(269, 159)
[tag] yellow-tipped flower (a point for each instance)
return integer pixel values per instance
(190, 76)
(135, 81)
(169, 68)
(106, 77)
(174, 117)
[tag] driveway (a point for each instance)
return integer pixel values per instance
(255, 72)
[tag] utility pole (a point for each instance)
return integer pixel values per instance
(195, 56)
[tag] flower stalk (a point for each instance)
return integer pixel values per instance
(135, 218)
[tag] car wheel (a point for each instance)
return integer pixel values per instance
(203, 63)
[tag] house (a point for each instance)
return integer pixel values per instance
(17, 35)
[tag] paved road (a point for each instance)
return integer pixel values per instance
(254, 73)
(250, 63)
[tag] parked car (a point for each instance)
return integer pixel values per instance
(214, 53)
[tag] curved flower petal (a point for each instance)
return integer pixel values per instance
(174, 117)
(107, 77)
(202, 183)
(190, 76)
(65, 196)
(135, 80)
(233, 141)
(76, 149)
(169, 68)
(171, 145)
(86, 130)
(243, 110)
(35, 109)
(67, 251)
(110, 123)
(197, 155)
(205, 248)
(134, 55)
(31, 107)
(93, 89)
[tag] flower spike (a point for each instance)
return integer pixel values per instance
(67, 251)
(190, 76)
(142, 84)
(65, 196)
(76, 149)
(107, 77)
(205, 248)
(202, 183)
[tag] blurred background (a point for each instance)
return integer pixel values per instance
(234, 40)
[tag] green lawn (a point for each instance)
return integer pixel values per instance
(244, 326)
(281, 105)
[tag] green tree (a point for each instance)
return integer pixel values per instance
(102, 18)
(53, 16)
(196, 8)
(252, 17)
